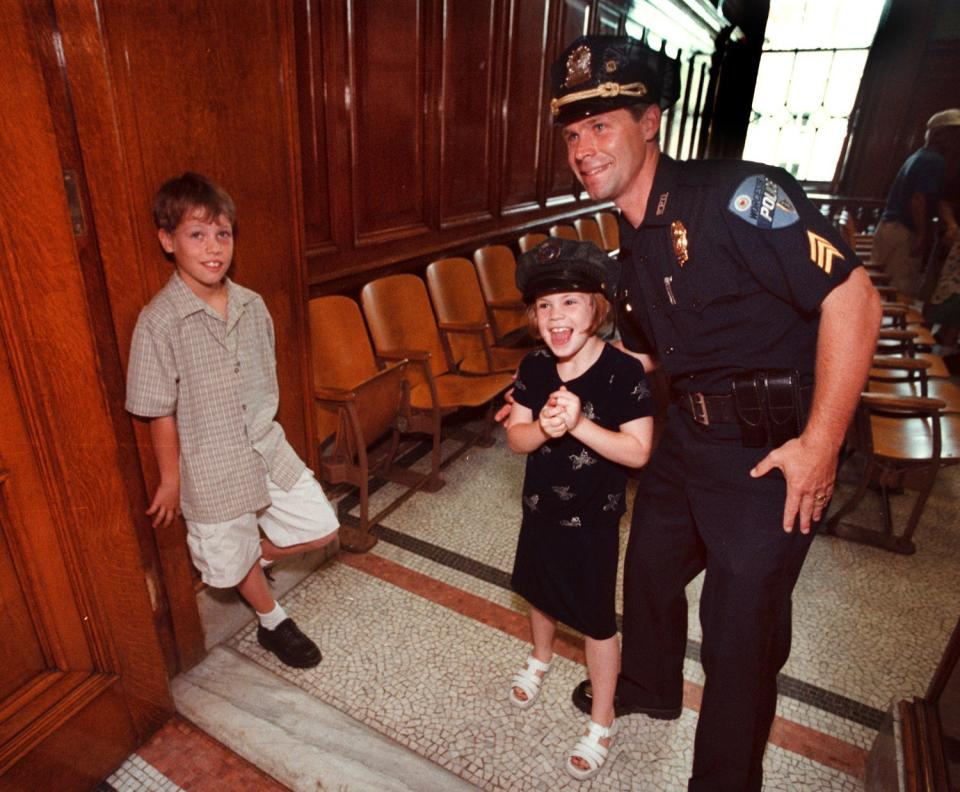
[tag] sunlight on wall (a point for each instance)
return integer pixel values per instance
(813, 58)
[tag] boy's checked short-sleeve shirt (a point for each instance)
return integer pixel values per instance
(219, 378)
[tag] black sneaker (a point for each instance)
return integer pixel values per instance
(583, 700)
(290, 645)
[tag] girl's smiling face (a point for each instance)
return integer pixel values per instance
(565, 322)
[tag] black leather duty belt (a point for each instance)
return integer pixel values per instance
(707, 408)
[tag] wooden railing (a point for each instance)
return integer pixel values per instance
(864, 212)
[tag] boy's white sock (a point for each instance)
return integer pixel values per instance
(269, 621)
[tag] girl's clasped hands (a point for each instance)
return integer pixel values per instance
(561, 413)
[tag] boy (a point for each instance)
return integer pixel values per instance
(202, 369)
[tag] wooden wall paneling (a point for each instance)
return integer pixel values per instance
(99, 684)
(230, 121)
(198, 86)
(387, 85)
(525, 115)
(611, 19)
(432, 99)
(312, 99)
(573, 19)
(468, 111)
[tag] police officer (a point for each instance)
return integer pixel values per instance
(764, 324)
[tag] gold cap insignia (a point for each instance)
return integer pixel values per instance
(679, 234)
(610, 66)
(579, 66)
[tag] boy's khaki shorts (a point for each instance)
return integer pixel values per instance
(224, 552)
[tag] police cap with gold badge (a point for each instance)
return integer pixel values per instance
(562, 265)
(596, 74)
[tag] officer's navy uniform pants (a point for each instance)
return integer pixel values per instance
(697, 508)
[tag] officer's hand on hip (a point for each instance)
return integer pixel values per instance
(809, 469)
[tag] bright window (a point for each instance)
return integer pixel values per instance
(813, 58)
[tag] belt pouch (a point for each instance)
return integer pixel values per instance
(748, 397)
(783, 404)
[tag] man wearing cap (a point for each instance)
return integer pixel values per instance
(902, 238)
(764, 322)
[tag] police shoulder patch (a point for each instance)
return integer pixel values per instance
(763, 203)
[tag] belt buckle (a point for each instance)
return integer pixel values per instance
(698, 407)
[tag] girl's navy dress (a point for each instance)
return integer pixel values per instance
(566, 563)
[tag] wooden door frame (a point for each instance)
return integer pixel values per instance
(100, 688)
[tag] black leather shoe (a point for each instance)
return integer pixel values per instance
(290, 645)
(583, 700)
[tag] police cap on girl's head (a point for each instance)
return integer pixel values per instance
(561, 265)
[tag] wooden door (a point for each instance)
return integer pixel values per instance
(82, 676)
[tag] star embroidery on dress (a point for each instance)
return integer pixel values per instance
(613, 501)
(545, 449)
(541, 353)
(531, 502)
(564, 493)
(518, 384)
(612, 378)
(581, 459)
(641, 391)
(573, 522)
(588, 411)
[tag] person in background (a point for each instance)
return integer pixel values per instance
(902, 240)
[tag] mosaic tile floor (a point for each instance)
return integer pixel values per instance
(421, 635)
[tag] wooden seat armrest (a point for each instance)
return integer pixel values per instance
(890, 334)
(464, 327)
(899, 362)
(894, 403)
(507, 305)
(334, 395)
(341, 395)
(894, 309)
(404, 354)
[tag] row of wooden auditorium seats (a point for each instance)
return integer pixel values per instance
(394, 370)
(430, 356)
(907, 424)
(601, 229)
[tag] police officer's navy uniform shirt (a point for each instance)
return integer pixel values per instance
(727, 272)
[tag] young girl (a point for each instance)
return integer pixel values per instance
(582, 413)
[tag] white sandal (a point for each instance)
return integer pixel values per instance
(589, 749)
(529, 680)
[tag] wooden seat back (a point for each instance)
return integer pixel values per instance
(398, 313)
(589, 231)
(457, 299)
(529, 241)
(496, 271)
(341, 355)
(364, 406)
(564, 231)
(609, 230)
